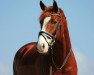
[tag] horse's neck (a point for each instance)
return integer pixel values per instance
(59, 52)
(61, 48)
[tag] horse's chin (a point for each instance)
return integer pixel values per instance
(42, 52)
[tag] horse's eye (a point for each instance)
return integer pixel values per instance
(54, 22)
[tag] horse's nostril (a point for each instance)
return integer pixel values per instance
(42, 45)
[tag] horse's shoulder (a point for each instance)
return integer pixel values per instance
(26, 51)
(30, 47)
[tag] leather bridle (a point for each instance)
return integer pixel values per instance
(52, 43)
(50, 35)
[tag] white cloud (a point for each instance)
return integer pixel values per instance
(85, 65)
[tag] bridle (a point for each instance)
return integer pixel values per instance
(50, 35)
(52, 43)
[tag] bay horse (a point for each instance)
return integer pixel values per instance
(52, 54)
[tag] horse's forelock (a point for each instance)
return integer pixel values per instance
(46, 12)
(50, 11)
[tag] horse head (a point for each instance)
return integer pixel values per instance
(51, 27)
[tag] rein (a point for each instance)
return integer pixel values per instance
(63, 64)
(52, 43)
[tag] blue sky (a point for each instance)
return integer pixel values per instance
(19, 24)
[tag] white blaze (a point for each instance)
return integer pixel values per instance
(41, 39)
(46, 20)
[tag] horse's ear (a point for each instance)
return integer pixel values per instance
(55, 7)
(43, 7)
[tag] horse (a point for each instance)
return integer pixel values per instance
(52, 54)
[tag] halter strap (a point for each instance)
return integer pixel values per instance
(55, 15)
(52, 36)
(43, 32)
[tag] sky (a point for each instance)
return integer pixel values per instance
(19, 25)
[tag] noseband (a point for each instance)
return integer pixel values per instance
(50, 35)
